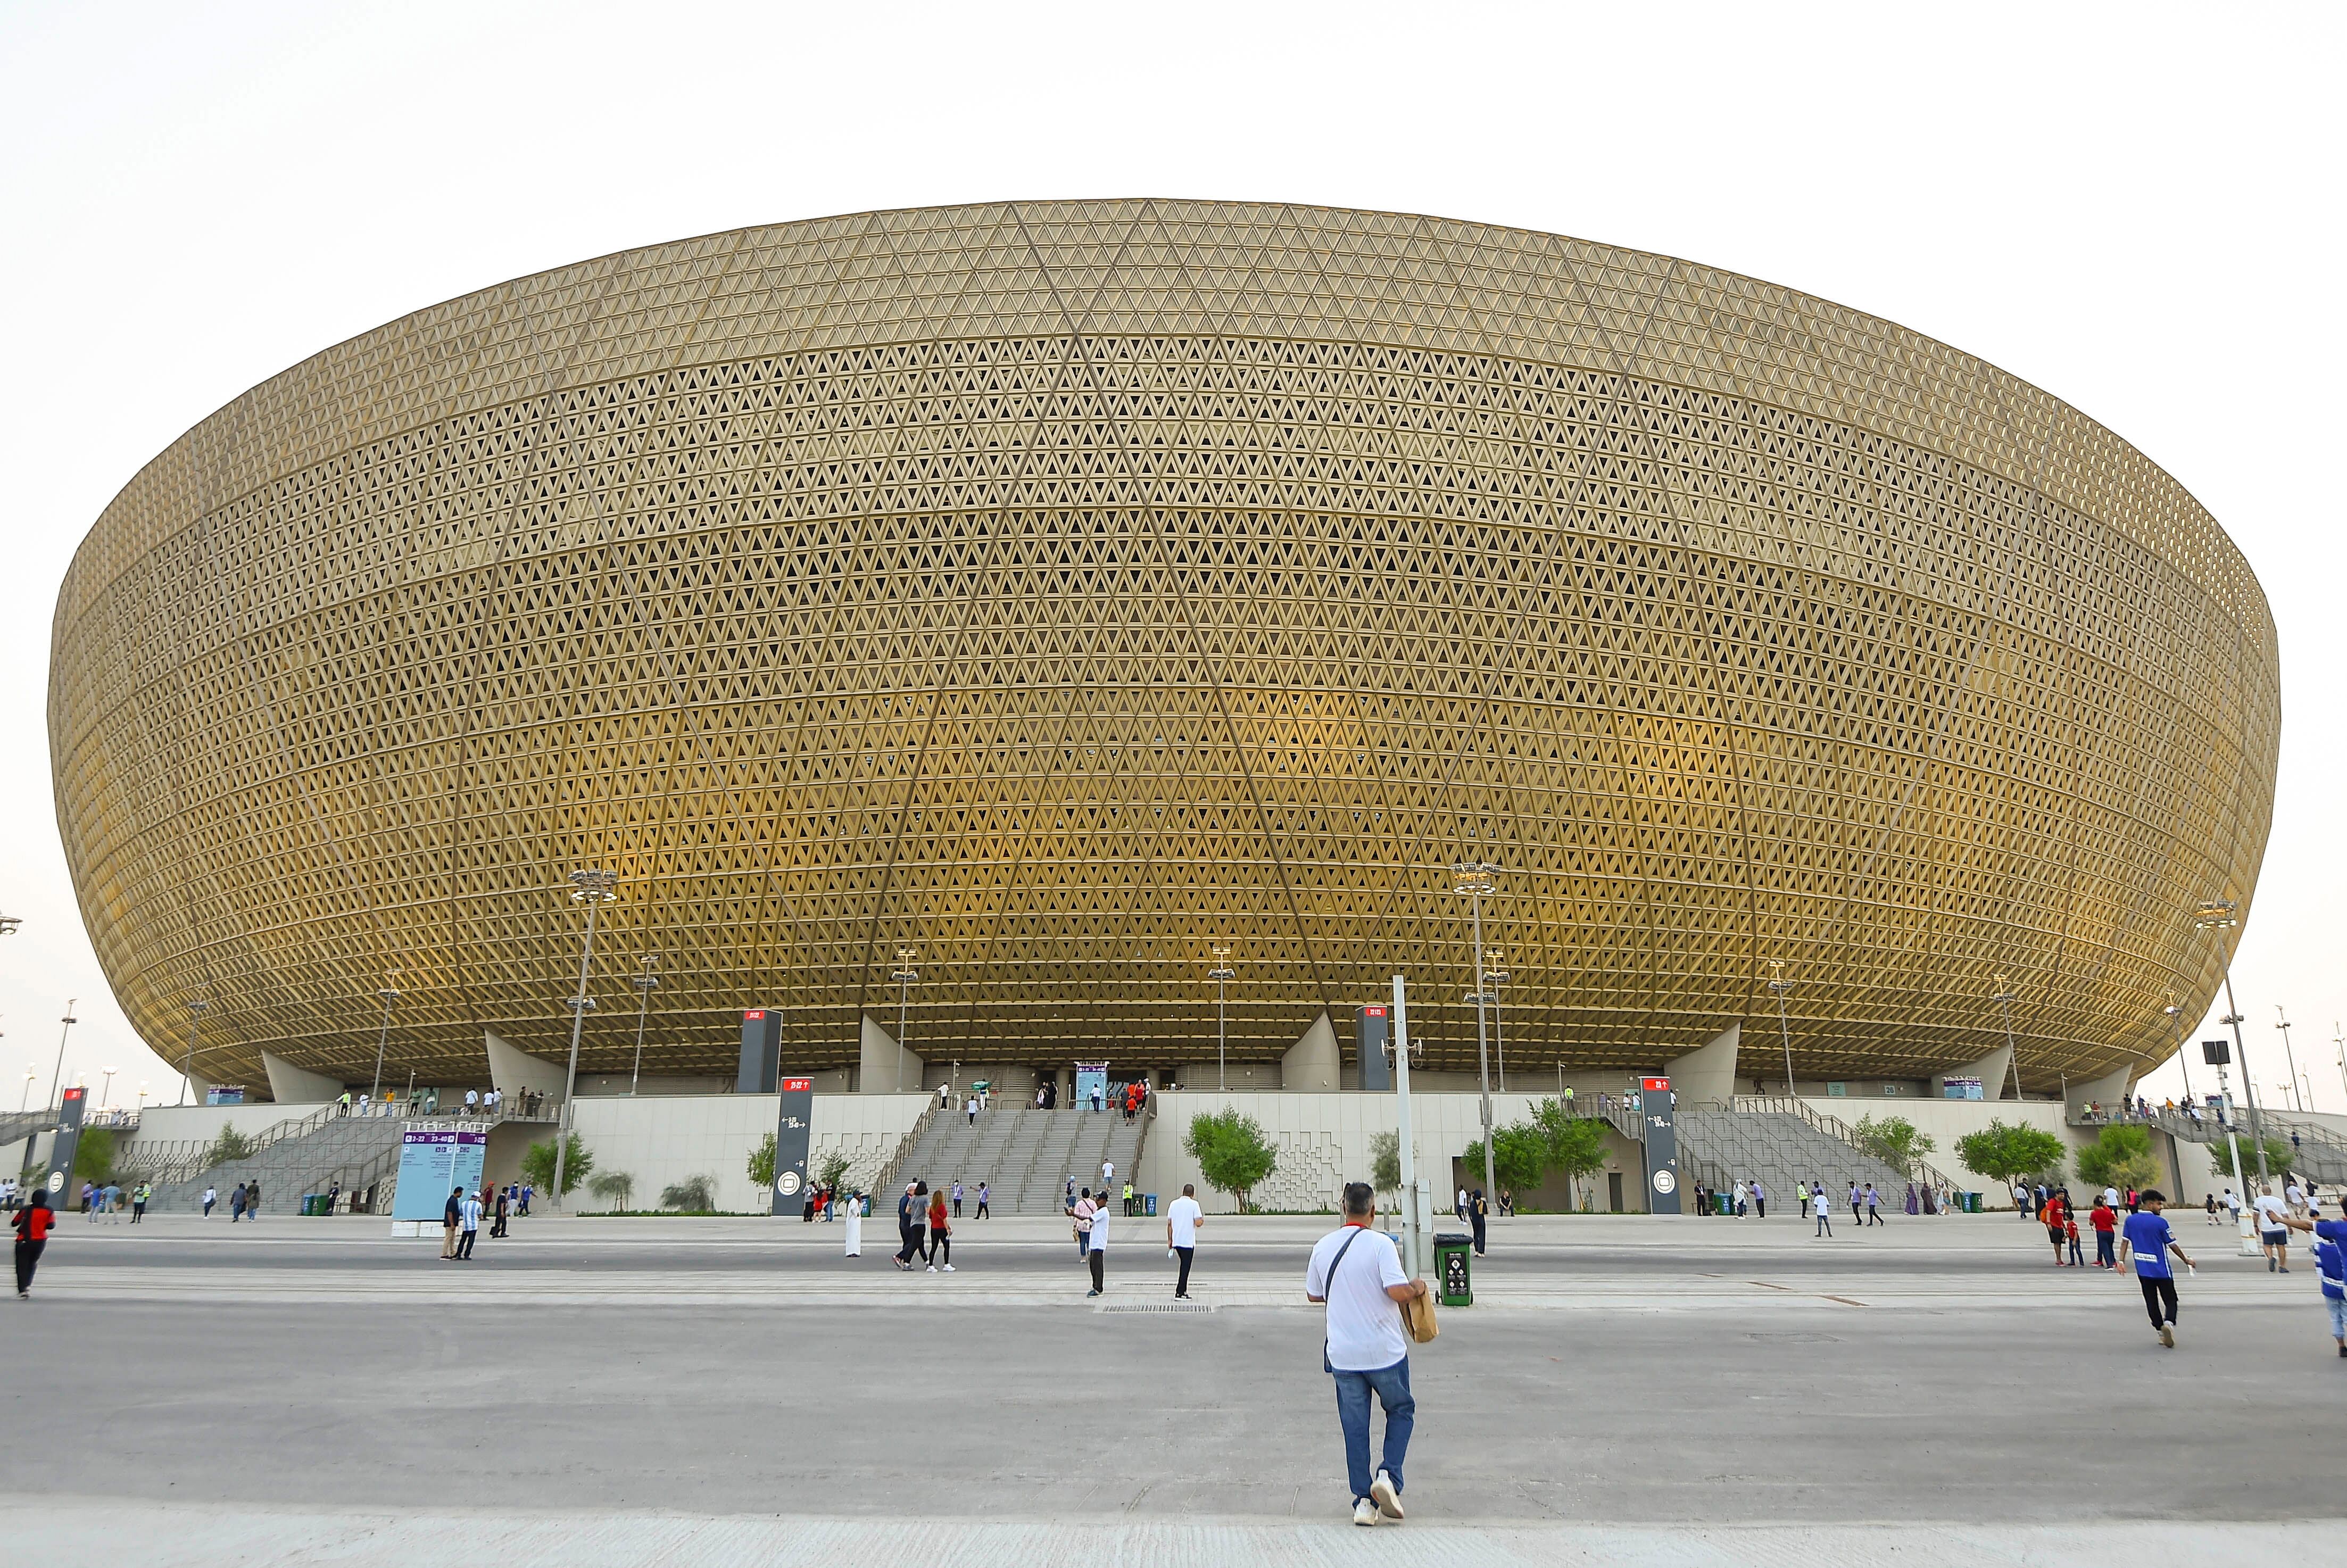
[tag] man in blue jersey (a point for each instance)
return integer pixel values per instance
(2330, 1266)
(2147, 1242)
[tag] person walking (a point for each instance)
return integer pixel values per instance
(2070, 1230)
(33, 1223)
(905, 1221)
(2147, 1243)
(1855, 1218)
(2051, 1216)
(1874, 1206)
(2330, 1263)
(1183, 1218)
(1082, 1215)
(1459, 1208)
(940, 1234)
(1823, 1207)
(1108, 1174)
(468, 1226)
(1759, 1200)
(504, 1208)
(982, 1191)
(212, 1196)
(1478, 1213)
(1365, 1350)
(452, 1214)
(956, 1197)
(236, 1203)
(2104, 1220)
(1096, 1249)
(252, 1200)
(2208, 1201)
(973, 1110)
(1743, 1198)
(2273, 1229)
(853, 1219)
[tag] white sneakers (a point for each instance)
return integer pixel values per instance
(2168, 1336)
(1386, 1495)
(949, 1268)
(933, 1268)
(1365, 1513)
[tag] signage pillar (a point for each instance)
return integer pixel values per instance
(1662, 1145)
(762, 1051)
(61, 1146)
(1370, 1035)
(793, 1130)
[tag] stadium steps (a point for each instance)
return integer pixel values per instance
(358, 1151)
(1025, 1154)
(2321, 1153)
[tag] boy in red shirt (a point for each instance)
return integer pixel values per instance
(2106, 1220)
(2070, 1233)
(33, 1223)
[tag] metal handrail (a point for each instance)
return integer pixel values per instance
(887, 1179)
(1916, 1170)
(184, 1159)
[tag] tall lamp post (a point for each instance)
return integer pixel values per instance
(646, 983)
(905, 976)
(1780, 985)
(388, 995)
(2340, 1041)
(2175, 1011)
(106, 1093)
(1477, 880)
(2290, 1058)
(59, 1072)
(592, 888)
(32, 1076)
(196, 1011)
(1493, 979)
(1222, 974)
(2223, 914)
(2004, 998)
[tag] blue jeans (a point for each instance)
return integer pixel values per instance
(1392, 1384)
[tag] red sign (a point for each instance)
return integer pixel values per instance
(793, 1085)
(754, 1012)
(1373, 1012)
(76, 1093)
(1657, 1085)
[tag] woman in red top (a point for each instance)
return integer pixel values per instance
(2106, 1220)
(34, 1223)
(940, 1234)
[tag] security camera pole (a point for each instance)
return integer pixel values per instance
(591, 887)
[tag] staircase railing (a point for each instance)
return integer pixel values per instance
(887, 1180)
(1916, 1169)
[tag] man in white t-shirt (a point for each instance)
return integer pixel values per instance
(1182, 1223)
(2273, 1229)
(1366, 1348)
(2296, 1195)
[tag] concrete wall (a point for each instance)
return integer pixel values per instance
(661, 1139)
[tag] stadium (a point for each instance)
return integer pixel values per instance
(1037, 597)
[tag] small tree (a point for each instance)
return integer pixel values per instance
(2279, 1157)
(1519, 1155)
(833, 1173)
(1576, 1145)
(1385, 1161)
(762, 1163)
(614, 1188)
(94, 1155)
(228, 1144)
(1895, 1141)
(1230, 1152)
(538, 1165)
(2004, 1152)
(694, 1193)
(2122, 1158)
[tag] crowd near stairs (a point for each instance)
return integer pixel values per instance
(1025, 1155)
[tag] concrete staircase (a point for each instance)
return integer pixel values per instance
(2319, 1153)
(356, 1151)
(1777, 1149)
(1025, 1154)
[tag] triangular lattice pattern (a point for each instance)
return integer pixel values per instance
(1062, 589)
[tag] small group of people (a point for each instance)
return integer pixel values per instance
(1471, 1208)
(243, 1201)
(828, 1203)
(2059, 1215)
(107, 1200)
(460, 1220)
(1745, 1200)
(924, 1229)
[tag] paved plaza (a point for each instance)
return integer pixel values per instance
(688, 1391)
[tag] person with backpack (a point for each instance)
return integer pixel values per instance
(1365, 1348)
(33, 1223)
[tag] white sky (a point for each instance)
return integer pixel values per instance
(2137, 208)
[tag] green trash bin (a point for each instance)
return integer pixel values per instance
(1453, 1270)
(1724, 1204)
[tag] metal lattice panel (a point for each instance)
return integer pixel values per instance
(1060, 590)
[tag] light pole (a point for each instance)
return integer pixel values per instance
(1477, 880)
(32, 1076)
(1222, 974)
(2175, 1011)
(196, 1011)
(1493, 979)
(592, 888)
(2290, 1058)
(2004, 998)
(389, 994)
(106, 1091)
(2340, 1041)
(1780, 985)
(645, 983)
(59, 1072)
(2224, 915)
(905, 976)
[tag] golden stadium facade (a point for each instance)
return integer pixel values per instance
(1061, 590)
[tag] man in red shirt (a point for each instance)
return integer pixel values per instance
(34, 1223)
(2105, 1220)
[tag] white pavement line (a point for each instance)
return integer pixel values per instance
(66, 1529)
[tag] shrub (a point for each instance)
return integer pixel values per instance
(538, 1165)
(834, 1170)
(1230, 1152)
(2004, 1152)
(228, 1144)
(691, 1193)
(2122, 1158)
(1895, 1141)
(614, 1188)
(762, 1163)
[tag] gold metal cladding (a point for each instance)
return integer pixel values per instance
(1063, 589)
